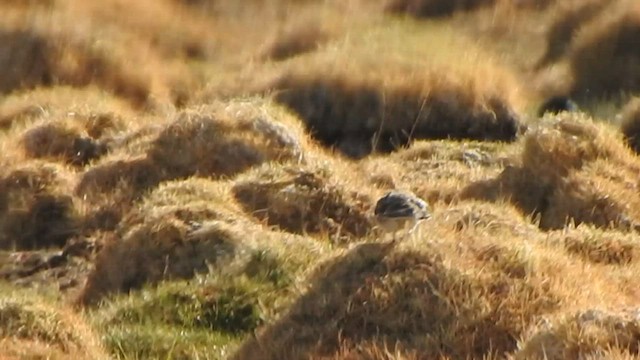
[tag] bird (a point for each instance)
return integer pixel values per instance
(396, 210)
(557, 104)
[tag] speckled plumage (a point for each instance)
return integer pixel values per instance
(398, 209)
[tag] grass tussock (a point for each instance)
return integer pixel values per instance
(583, 334)
(373, 92)
(100, 112)
(598, 246)
(604, 60)
(37, 210)
(630, 125)
(304, 201)
(44, 59)
(158, 249)
(62, 140)
(163, 242)
(566, 24)
(205, 317)
(376, 295)
(32, 328)
(571, 170)
(245, 136)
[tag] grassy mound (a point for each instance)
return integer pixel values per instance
(375, 295)
(434, 8)
(36, 208)
(377, 102)
(571, 170)
(630, 125)
(304, 201)
(604, 60)
(100, 112)
(567, 22)
(41, 58)
(586, 333)
(62, 140)
(245, 136)
(31, 328)
(600, 247)
(207, 317)
(164, 242)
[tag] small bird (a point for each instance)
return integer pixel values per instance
(398, 209)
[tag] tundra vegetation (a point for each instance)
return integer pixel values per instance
(196, 179)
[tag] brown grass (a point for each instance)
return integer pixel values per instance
(568, 19)
(585, 333)
(245, 136)
(600, 247)
(604, 60)
(571, 170)
(62, 140)
(305, 201)
(381, 297)
(33, 328)
(170, 235)
(358, 114)
(42, 59)
(630, 125)
(529, 231)
(36, 208)
(297, 39)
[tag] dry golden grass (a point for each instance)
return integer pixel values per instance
(36, 206)
(296, 39)
(305, 201)
(166, 151)
(604, 61)
(363, 96)
(571, 170)
(39, 328)
(569, 18)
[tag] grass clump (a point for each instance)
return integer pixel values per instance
(161, 247)
(585, 333)
(61, 140)
(375, 295)
(35, 208)
(372, 102)
(604, 60)
(304, 201)
(601, 247)
(207, 316)
(246, 134)
(571, 170)
(566, 24)
(31, 327)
